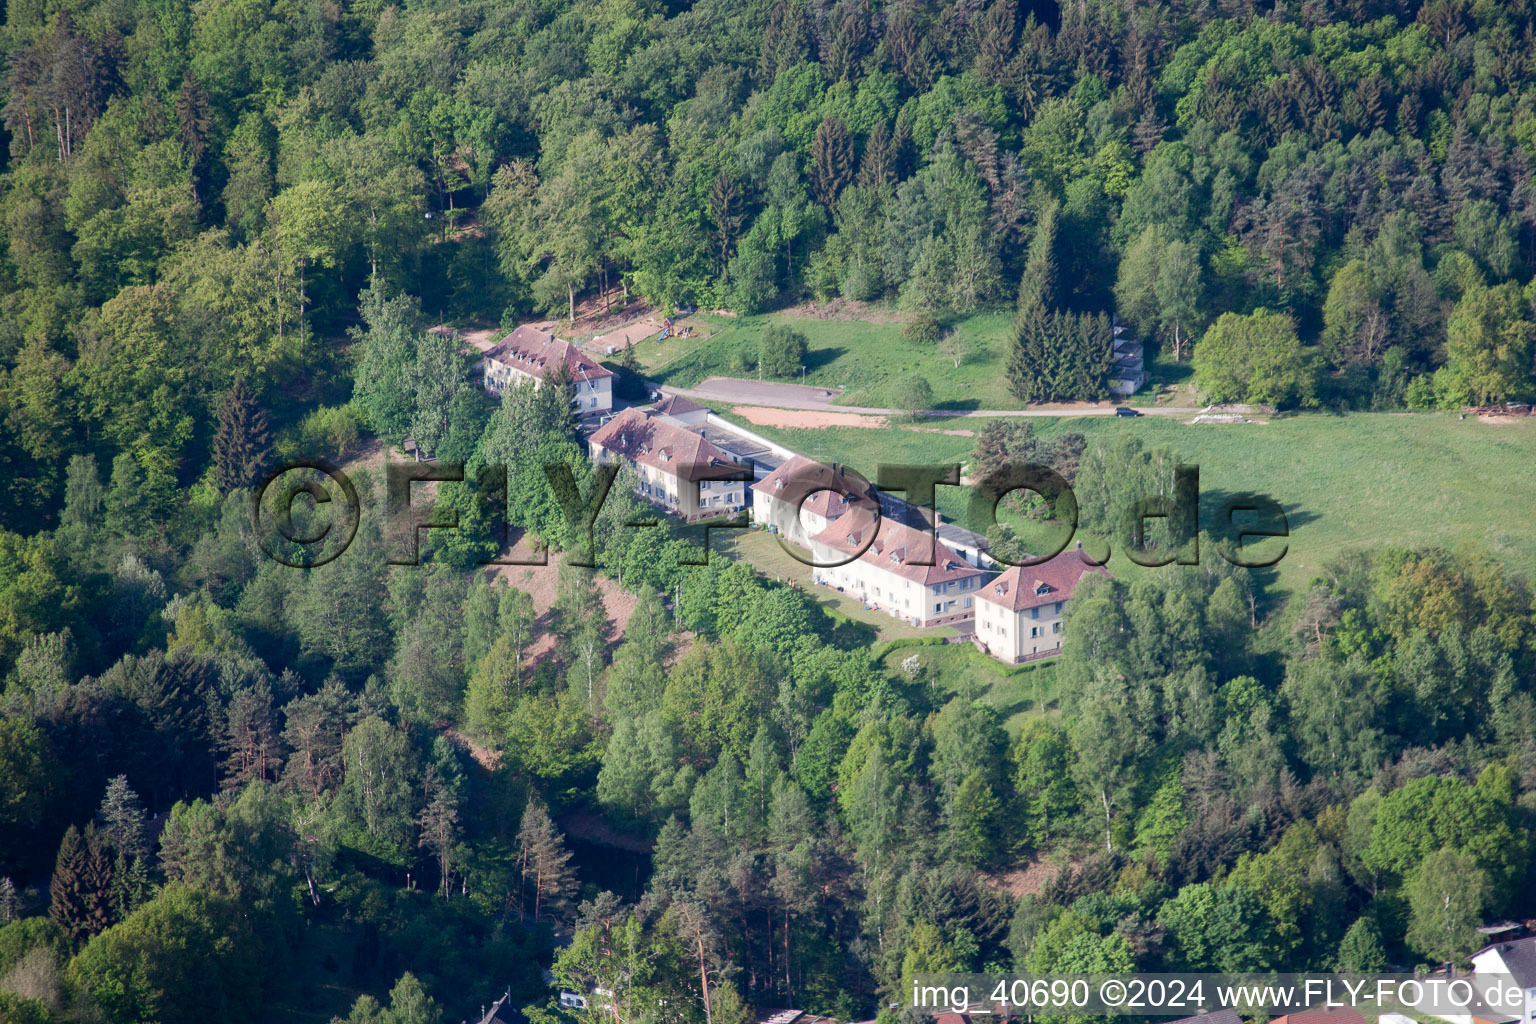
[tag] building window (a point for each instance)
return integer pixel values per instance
(591, 403)
(965, 603)
(1058, 607)
(1034, 613)
(1055, 627)
(1034, 631)
(938, 608)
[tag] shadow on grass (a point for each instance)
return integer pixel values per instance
(815, 359)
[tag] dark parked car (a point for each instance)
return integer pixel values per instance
(1126, 411)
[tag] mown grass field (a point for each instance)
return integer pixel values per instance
(1346, 482)
(867, 359)
(1018, 692)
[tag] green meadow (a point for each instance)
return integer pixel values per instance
(866, 359)
(1345, 482)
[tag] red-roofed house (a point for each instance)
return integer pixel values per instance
(1018, 615)
(774, 498)
(528, 353)
(890, 575)
(674, 464)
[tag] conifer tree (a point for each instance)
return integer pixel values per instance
(876, 168)
(131, 886)
(122, 819)
(831, 160)
(240, 446)
(80, 891)
(439, 821)
(65, 906)
(548, 879)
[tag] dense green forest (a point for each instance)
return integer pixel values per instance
(237, 790)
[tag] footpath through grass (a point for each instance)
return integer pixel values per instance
(1346, 482)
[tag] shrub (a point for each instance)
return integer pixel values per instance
(333, 428)
(921, 329)
(780, 352)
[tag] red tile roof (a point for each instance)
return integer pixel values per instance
(829, 504)
(653, 440)
(1342, 1015)
(1019, 587)
(532, 351)
(676, 405)
(897, 548)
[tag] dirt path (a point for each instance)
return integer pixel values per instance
(767, 416)
(739, 391)
(541, 583)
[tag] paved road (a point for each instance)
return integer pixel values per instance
(739, 391)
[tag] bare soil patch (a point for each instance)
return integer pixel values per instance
(1025, 881)
(842, 308)
(540, 581)
(766, 416)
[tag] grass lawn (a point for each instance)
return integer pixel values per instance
(1346, 482)
(762, 550)
(654, 356)
(866, 359)
(1017, 692)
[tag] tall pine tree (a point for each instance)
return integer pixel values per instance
(549, 881)
(240, 446)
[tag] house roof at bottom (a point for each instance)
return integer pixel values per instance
(1225, 1015)
(1519, 956)
(656, 441)
(1342, 1015)
(503, 1012)
(1020, 586)
(532, 351)
(896, 548)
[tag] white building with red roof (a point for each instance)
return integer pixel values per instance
(896, 569)
(677, 468)
(1018, 615)
(529, 353)
(829, 492)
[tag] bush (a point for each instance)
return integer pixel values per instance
(914, 396)
(921, 329)
(780, 352)
(332, 429)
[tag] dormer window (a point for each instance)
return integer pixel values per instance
(1043, 588)
(998, 590)
(851, 539)
(779, 483)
